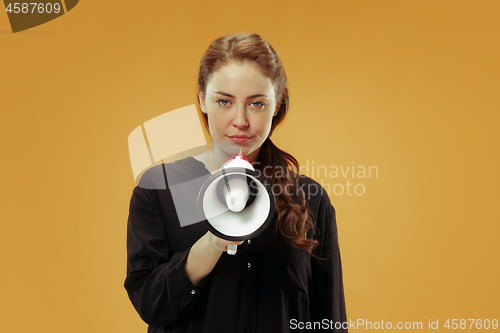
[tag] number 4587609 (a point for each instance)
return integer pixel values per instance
(40, 8)
(471, 323)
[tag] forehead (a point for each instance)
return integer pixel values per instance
(240, 78)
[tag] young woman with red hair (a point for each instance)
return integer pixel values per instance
(287, 278)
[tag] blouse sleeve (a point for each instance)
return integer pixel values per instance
(156, 281)
(327, 272)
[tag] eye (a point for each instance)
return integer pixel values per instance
(258, 105)
(223, 102)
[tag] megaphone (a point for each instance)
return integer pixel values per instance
(235, 202)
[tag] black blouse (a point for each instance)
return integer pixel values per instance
(268, 286)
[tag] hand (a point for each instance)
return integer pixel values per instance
(219, 244)
(203, 256)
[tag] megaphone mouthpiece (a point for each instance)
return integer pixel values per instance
(236, 193)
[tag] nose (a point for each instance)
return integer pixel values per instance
(240, 119)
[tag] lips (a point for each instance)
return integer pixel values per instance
(239, 138)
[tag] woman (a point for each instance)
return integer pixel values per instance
(287, 278)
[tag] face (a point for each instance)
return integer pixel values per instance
(240, 103)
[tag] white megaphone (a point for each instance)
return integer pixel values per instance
(235, 202)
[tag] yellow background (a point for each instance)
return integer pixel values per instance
(409, 86)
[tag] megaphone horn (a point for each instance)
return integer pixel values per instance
(235, 202)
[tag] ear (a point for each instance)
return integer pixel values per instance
(277, 110)
(201, 99)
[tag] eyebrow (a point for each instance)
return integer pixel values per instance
(229, 95)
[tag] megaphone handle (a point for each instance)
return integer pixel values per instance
(231, 249)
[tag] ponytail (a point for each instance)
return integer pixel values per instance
(294, 221)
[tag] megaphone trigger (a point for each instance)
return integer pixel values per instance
(232, 248)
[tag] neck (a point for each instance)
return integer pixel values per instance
(218, 156)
